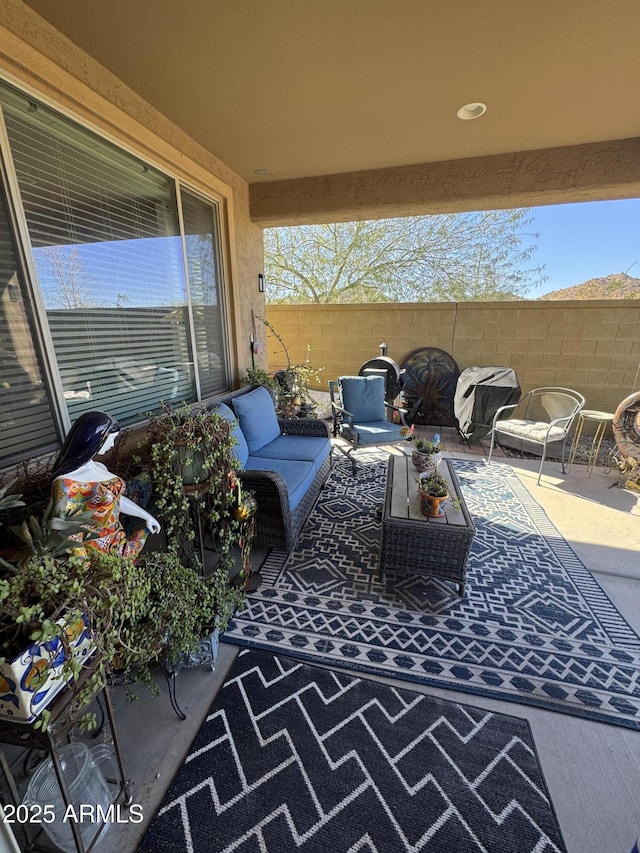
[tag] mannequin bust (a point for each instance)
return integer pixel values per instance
(79, 482)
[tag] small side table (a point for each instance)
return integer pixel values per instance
(601, 420)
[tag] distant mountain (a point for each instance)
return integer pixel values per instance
(614, 286)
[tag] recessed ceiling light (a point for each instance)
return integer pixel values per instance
(261, 171)
(470, 111)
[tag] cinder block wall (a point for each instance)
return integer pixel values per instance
(592, 346)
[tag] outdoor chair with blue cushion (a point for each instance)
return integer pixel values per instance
(359, 414)
(546, 417)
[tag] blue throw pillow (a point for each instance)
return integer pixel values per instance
(240, 450)
(363, 396)
(257, 416)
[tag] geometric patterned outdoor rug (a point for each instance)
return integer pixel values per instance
(297, 758)
(534, 627)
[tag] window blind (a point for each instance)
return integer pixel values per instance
(104, 233)
(203, 265)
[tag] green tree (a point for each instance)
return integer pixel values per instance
(452, 257)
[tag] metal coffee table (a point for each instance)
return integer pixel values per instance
(414, 543)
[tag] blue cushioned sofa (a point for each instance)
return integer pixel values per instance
(284, 463)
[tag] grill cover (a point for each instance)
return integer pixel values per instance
(479, 394)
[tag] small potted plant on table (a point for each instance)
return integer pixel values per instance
(426, 454)
(434, 492)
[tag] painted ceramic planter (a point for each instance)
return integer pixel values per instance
(23, 694)
(432, 506)
(425, 462)
(204, 654)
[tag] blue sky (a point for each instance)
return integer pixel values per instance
(582, 241)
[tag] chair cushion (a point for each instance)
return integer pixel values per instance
(257, 416)
(240, 450)
(375, 432)
(297, 447)
(530, 430)
(298, 476)
(363, 396)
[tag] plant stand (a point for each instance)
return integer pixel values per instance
(205, 654)
(58, 731)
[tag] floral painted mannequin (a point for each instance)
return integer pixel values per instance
(78, 482)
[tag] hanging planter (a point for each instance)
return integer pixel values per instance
(193, 469)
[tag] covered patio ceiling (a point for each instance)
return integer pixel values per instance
(333, 110)
(315, 87)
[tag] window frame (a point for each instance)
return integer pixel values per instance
(36, 309)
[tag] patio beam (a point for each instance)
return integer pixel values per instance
(592, 172)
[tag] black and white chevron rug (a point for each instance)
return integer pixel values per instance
(293, 757)
(534, 626)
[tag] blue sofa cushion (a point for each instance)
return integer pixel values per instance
(363, 396)
(297, 447)
(298, 476)
(240, 450)
(257, 416)
(374, 432)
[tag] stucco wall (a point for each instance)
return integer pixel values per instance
(592, 346)
(38, 58)
(592, 172)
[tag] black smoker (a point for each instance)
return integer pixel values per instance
(389, 370)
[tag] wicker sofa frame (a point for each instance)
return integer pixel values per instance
(276, 524)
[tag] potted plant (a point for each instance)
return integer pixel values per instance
(188, 454)
(434, 492)
(44, 638)
(191, 465)
(258, 376)
(56, 613)
(184, 609)
(209, 501)
(290, 386)
(426, 454)
(57, 610)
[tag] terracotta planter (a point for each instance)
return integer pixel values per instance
(431, 505)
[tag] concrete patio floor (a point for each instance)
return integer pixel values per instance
(592, 769)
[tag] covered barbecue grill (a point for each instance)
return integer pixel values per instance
(479, 394)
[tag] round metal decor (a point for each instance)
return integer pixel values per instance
(430, 381)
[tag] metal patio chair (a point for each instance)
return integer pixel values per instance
(359, 414)
(546, 417)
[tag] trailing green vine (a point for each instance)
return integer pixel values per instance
(193, 471)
